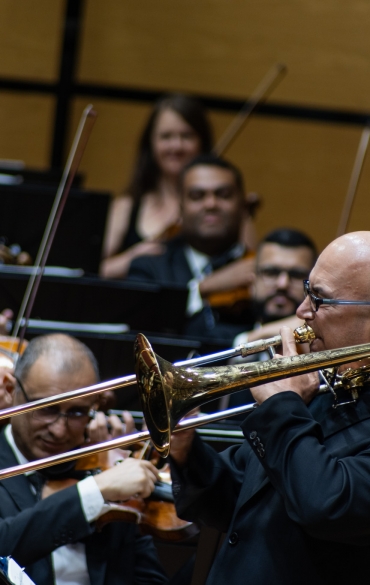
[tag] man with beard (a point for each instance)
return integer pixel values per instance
(284, 258)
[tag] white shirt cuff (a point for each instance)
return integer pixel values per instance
(240, 339)
(195, 301)
(92, 502)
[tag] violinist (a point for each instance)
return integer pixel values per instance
(207, 256)
(177, 131)
(293, 499)
(55, 537)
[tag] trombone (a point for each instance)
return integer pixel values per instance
(303, 334)
(168, 392)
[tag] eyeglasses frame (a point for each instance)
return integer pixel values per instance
(318, 301)
(65, 415)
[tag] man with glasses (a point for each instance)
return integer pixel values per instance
(284, 258)
(293, 499)
(55, 537)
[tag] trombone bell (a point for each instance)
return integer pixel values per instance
(168, 392)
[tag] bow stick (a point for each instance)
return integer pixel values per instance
(78, 147)
(354, 180)
(268, 83)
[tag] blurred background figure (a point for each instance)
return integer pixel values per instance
(5, 321)
(176, 132)
(5, 401)
(149, 211)
(284, 259)
(207, 256)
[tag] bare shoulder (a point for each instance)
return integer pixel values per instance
(117, 223)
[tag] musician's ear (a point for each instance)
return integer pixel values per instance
(7, 387)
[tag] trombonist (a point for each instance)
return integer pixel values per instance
(55, 538)
(294, 498)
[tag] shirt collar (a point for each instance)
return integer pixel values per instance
(12, 444)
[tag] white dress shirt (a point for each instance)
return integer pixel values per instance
(69, 561)
(197, 263)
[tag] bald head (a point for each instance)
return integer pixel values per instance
(62, 353)
(342, 272)
(346, 261)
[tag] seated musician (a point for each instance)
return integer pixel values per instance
(55, 537)
(176, 131)
(293, 499)
(284, 258)
(207, 256)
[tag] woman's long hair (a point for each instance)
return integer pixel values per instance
(146, 172)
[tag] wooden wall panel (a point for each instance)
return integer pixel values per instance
(26, 124)
(224, 47)
(301, 171)
(30, 35)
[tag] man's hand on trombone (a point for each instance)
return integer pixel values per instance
(306, 385)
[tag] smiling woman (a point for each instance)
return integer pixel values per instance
(176, 132)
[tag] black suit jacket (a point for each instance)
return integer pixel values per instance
(30, 531)
(173, 267)
(294, 499)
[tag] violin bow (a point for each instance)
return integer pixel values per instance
(74, 158)
(354, 180)
(262, 91)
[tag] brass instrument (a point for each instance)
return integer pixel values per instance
(302, 334)
(168, 392)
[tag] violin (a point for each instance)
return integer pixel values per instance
(9, 349)
(234, 302)
(155, 515)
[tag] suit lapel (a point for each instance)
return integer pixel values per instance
(18, 487)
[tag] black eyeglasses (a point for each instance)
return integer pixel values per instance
(272, 273)
(75, 418)
(316, 302)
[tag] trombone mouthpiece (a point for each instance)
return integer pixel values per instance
(304, 334)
